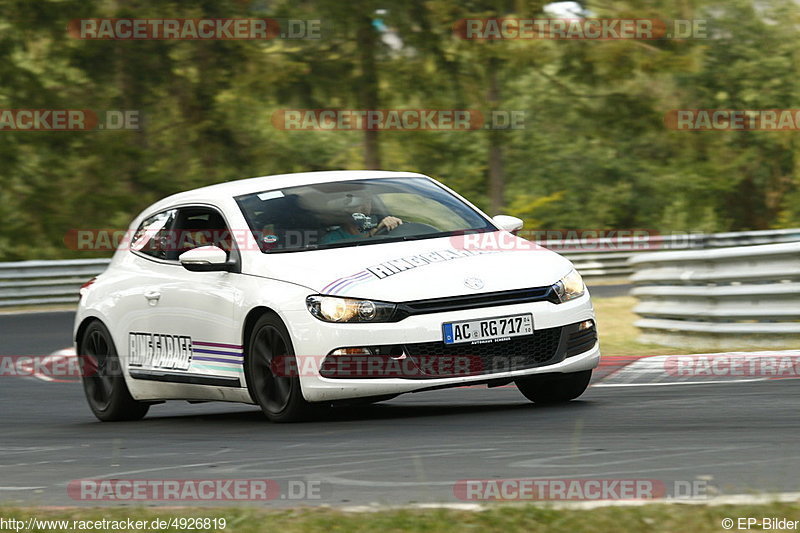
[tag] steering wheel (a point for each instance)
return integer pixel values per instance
(407, 229)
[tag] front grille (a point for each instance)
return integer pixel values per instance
(516, 353)
(472, 301)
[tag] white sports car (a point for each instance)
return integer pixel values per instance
(299, 291)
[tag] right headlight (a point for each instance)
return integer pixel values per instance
(569, 287)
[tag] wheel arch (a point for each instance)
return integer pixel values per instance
(253, 315)
(82, 329)
(250, 321)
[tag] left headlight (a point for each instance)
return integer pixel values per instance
(334, 309)
(570, 287)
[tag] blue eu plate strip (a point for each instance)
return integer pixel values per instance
(448, 333)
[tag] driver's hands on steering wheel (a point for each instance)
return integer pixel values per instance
(387, 224)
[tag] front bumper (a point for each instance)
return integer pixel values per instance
(312, 337)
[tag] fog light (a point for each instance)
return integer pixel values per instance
(586, 324)
(352, 351)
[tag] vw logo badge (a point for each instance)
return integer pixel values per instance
(474, 283)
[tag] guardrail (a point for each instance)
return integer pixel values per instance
(597, 259)
(721, 298)
(45, 282)
(57, 282)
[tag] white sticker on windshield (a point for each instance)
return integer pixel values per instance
(270, 195)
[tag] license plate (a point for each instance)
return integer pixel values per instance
(488, 329)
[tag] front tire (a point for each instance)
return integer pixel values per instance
(103, 381)
(279, 396)
(554, 388)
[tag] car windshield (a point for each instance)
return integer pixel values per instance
(355, 213)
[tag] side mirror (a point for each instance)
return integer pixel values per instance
(206, 259)
(508, 223)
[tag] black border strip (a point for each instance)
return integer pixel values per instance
(191, 379)
(475, 301)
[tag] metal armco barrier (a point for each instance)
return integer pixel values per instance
(32, 283)
(46, 282)
(596, 259)
(726, 297)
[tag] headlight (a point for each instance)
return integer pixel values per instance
(570, 287)
(334, 309)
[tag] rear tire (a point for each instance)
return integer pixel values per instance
(103, 381)
(554, 388)
(279, 396)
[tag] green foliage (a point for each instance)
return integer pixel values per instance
(594, 152)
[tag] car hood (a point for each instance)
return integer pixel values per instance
(416, 270)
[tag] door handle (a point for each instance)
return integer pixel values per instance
(152, 295)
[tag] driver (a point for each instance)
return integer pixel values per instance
(358, 222)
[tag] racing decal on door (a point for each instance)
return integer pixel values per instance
(158, 350)
(217, 356)
(179, 352)
(168, 358)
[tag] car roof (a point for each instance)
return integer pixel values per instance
(278, 181)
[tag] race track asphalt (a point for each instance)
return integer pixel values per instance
(735, 438)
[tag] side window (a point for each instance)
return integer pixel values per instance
(199, 226)
(153, 235)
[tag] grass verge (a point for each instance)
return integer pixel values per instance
(618, 335)
(615, 318)
(656, 518)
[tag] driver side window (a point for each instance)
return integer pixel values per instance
(199, 226)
